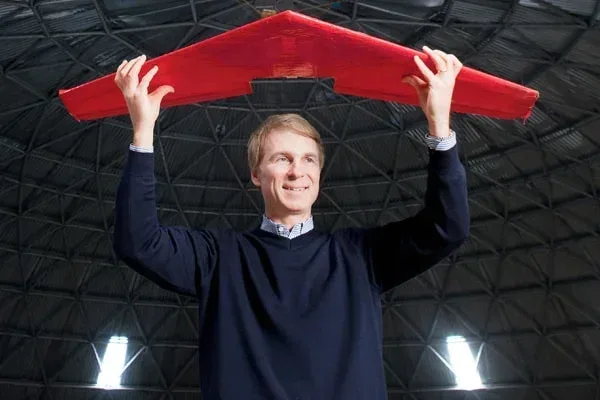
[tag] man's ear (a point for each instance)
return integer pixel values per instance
(254, 176)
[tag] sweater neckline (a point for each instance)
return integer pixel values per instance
(287, 243)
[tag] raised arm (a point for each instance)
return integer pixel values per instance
(175, 258)
(401, 250)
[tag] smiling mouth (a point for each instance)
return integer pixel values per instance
(296, 189)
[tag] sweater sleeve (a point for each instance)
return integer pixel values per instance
(175, 258)
(398, 251)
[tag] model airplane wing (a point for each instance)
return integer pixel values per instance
(292, 45)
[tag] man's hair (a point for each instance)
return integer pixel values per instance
(292, 122)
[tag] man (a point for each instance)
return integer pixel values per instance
(287, 312)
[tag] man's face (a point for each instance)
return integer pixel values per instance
(288, 174)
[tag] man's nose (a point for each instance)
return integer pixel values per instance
(296, 170)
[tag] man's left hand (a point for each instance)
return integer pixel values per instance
(435, 89)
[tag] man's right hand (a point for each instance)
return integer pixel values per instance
(143, 107)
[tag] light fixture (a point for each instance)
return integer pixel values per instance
(112, 363)
(463, 364)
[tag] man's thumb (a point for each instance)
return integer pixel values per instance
(162, 91)
(410, 80)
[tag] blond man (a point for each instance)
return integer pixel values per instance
(288, 312)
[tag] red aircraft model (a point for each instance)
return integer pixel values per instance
(292, 45)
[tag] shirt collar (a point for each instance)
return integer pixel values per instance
(281, 230)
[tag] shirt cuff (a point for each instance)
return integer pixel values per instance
(441, 144)
(141, 149)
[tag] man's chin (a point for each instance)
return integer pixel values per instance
(293, 207)
(296, 209)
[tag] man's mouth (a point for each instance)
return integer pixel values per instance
(296, 189)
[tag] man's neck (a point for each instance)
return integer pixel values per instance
(288, 220)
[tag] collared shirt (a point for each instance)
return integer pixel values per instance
(441, 144)
(281, 230)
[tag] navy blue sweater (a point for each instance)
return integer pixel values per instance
(290, 319)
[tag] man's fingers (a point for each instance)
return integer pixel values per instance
(410, 80)
(162, 92)
(419, 81)
(438, 59)
(440, 53)
(135, 69)
(429, 76)
(123, 63)
(127, 67)
(118, 73)
(145, 82)
(414, 81)
(455, 62)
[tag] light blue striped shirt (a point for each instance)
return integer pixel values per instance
(281, 230)
(441, 144)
